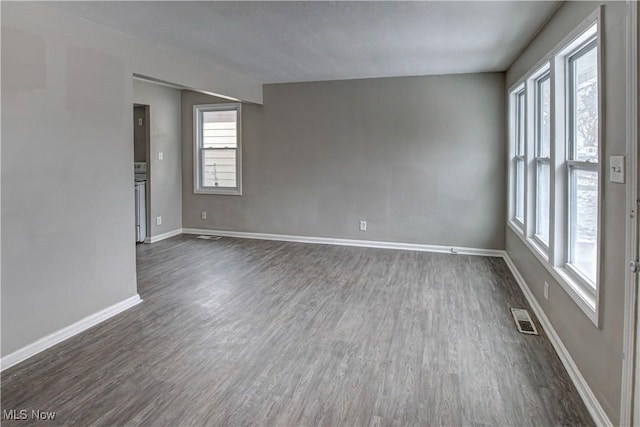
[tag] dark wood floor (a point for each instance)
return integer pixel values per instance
(246, 332)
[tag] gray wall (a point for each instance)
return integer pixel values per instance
(419, 158)
(67, 214)
(597, 352)
(165, 183)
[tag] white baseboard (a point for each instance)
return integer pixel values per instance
(163, 236)
(57, 337)
(595, 409)
(348, 242)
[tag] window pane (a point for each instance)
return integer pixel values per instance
(584, 69)
(519, 208)
(520, 124)
(219, 168)
(544, 117)
(219, 129)
(542, 201)
(584, 221)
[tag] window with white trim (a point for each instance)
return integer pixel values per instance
(217, 149)
(555, 180)
(518, 159)
(542, 157)
(582, 160)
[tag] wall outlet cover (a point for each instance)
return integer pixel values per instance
(546, 290)
(616, 169)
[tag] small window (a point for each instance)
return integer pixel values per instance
(542, 158)
(217, 149)
(582, 161)
(518, 157)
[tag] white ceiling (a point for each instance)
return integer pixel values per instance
(276, 42)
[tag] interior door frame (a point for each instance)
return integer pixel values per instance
(630, 411)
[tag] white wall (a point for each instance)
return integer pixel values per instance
(165, 183)
(596, 351)
(67, 246)
(67, 154)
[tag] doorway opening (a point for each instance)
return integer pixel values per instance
(142, 171)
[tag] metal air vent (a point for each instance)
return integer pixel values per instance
(209, 237)
(523, 321)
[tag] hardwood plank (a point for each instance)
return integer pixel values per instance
(248, 332)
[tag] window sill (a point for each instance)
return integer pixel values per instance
(537, 246)
(583, 299)
(517, 228)
(219, 192)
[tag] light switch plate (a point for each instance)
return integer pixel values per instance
(160, 155)
(616, 169)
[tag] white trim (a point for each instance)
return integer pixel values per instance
(595, 409)
(198, 188)
(554, 258)
(67, 332)
(157, 238)
(514, 157)
(515, 227)
(587, 295)
(630, 302)
(544, 73)
(537, 243)
(511, 182)
(582, 299)
(349, 242)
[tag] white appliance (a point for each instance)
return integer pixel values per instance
(141, 210)
(140, 171)
(140, 179)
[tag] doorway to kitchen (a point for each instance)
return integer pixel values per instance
(141, 167)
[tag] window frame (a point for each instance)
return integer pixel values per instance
(198, 150)
(554, 260)
(543, 74)
(518, 139)
(570, 57)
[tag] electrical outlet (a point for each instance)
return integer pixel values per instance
(546, 290)
(159, 220)
(203, 215)
(363, 225)
(160, 155)
(140, 121)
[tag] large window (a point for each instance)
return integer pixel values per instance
(518, 157)
(217, 149)
(582, 161)
(542, 157)
(555, 190)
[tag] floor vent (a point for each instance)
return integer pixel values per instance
(523, 321)
(209, 237)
